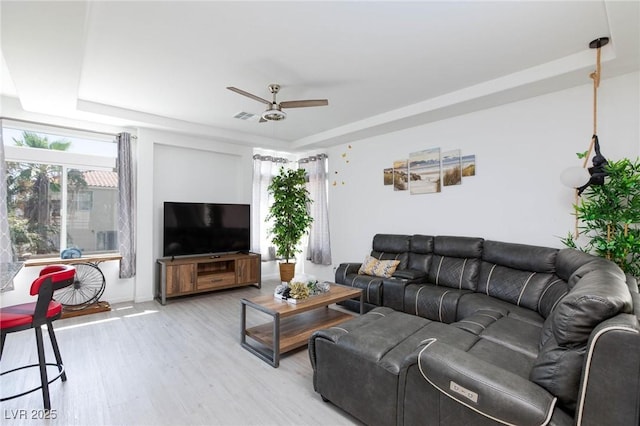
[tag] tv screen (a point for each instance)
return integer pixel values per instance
(203, 228)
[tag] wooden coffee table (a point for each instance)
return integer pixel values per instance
(292, 324)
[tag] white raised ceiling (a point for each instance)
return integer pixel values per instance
(382, 65)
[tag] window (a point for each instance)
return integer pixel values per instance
(62, 192)
(85, 201)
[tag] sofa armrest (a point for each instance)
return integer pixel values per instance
(610, 383)
(330, 334)
(411, 275)
(393, 293)
(484, 388)
(345, 269)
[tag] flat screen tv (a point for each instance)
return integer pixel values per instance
(205, 228)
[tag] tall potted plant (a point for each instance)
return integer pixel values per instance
(290, 215)
(610, 217)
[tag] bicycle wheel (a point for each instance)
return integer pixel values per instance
(86, 289)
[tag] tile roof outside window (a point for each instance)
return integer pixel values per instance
(101, 178)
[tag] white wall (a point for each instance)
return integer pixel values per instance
(516, 195)
(174, 167)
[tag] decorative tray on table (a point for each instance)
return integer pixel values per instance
(300, 288)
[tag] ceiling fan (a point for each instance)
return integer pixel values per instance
(274, 110)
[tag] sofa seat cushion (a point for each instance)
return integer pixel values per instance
(473, 302)
(503, 339)
(454, 337)
(386, 337)
(432, 302)
(383, 331)
(514, 334)
(502, 356)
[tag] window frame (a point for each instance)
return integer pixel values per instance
(65, 160)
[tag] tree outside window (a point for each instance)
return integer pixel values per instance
(37, 191)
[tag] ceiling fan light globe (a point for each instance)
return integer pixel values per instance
(575, 177)
(274, 115)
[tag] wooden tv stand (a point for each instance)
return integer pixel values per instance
(190, 275)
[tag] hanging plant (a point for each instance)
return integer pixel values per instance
(609, 217)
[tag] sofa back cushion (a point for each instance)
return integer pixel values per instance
(391, 247)
(596, 297)
(555, 289)
(519, 274)
(572, 265)
(420, 252)
(455, 262)
(520, 256)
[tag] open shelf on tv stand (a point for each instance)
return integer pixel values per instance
(198, 274)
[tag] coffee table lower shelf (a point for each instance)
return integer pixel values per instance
(295, 331)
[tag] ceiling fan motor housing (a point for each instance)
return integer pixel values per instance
(274, 113)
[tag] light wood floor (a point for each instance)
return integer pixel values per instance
(179, 364)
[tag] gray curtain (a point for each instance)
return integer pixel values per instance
(6, 251)
(319, 249)
(265, 167)
(126, 207)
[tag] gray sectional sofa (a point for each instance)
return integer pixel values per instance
(469, 331)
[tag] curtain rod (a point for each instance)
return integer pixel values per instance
(77, 129)
(313, 158)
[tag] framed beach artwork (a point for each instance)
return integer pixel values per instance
(424, 169)
(400, 175)
(451, 168)
(468, 165)
(388, 176)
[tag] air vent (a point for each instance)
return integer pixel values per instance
(246, 116)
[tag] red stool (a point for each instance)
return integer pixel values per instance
(33, 315)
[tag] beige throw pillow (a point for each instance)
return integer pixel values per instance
(378, 268)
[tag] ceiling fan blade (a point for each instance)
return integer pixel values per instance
(249, 95)
(306, 103)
